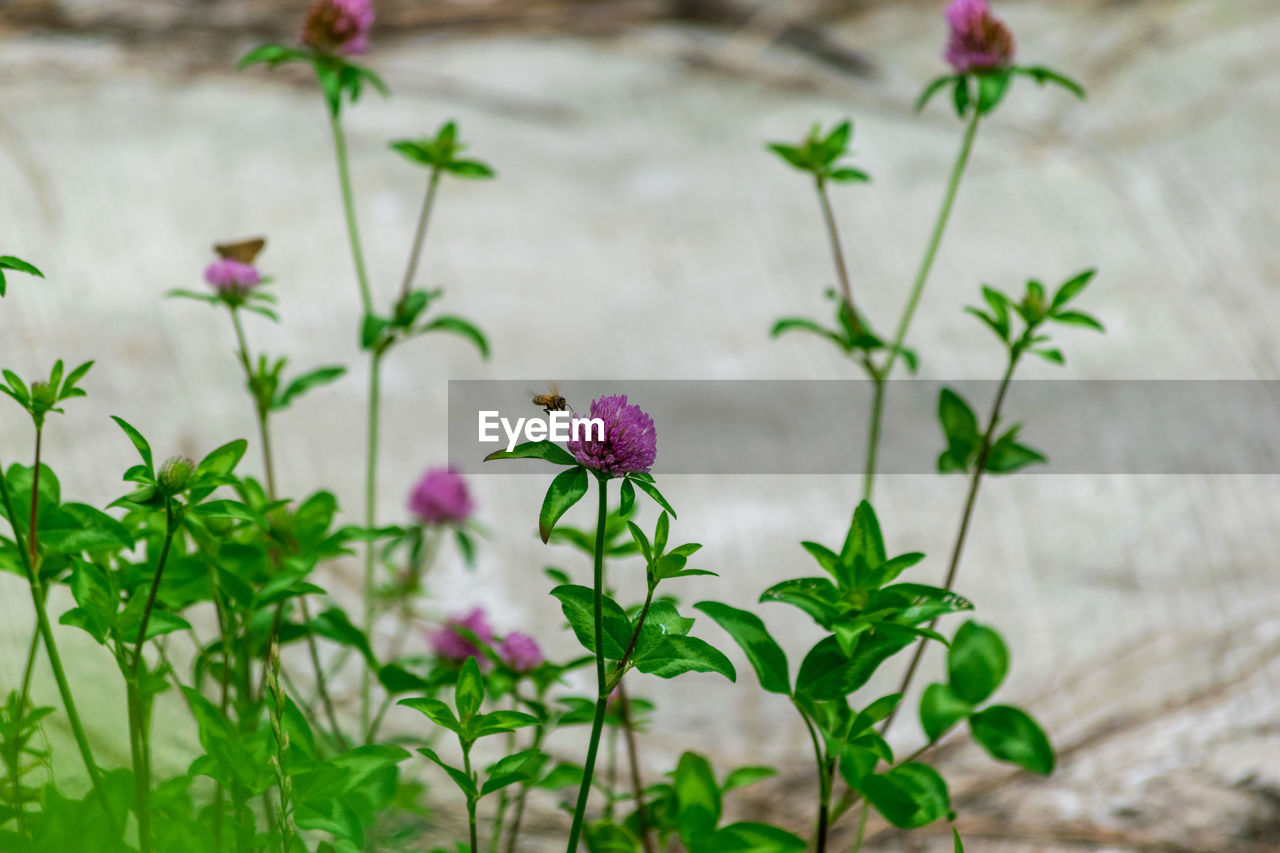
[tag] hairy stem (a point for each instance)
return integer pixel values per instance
(602, 681)
(913, 300)
(837, 251)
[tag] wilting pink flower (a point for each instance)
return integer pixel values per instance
(978, 39)
(449, 642)
(630, 441)
(441, 497)
(232, 278)
(520, 651)
(338, 26)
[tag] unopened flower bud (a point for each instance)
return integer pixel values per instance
(176, 474)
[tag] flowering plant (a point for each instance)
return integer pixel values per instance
(207, 588)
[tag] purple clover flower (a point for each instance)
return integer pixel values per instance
(630, 441)
(978, 39)
(338, 27)
(450, 643)
(441, 497)
(231, 278)
(520, 652)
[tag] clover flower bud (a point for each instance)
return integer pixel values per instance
(441, 497)
(520, 652)
(452, 644)
(175, 474)
(978, 40)
(339, 27)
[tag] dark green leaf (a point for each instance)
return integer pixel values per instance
(548, 450)
(1072, 288)
(468, 695)
(1077, 318)
(762, 651)
(940, 709)
(676, 655)
(143, 448)
(976, 663)
(909, 796)
(307, 381)
(459, 326)
(1010, 734)
(566, 490)
(578, 604)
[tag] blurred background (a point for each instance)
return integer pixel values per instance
(638, 230)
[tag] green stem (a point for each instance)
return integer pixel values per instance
(514, 833)
(602, 683)
(349, 209)
(862, 828)
(55, 660)
(260, 406)
(419, 237)
(824, 785)
(138, 715)
(965, 518)
(471, 801)
(837, 251)
(633, 759)
(913, 299)
(370, 518)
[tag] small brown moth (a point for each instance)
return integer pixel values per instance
(243, 251)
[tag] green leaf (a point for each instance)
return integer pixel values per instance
(748, 837)
(566, 490)
(498, 722)
(652, 491)
(1053, 356)
(791, 155)
(959, 845)
(977, 662)
(960, 95)
(435, 711)
(520, 767)
(271, 55)
(304, 383)
(992, 86)
(470, 169)
(762, 651)
(143, 448)
(909, 796)
(1006, 455)
(1077, 318)
(698, 803)
(828, 673)
(464, 782)
(676, 655)
(802, 324)
(578, 604)
(1010, 734)
(744, 776)
(548, 450)
(458, 326)
(936, 85)
(848, 175)
(223, 460)
(334, 624)
(468, 696)
(960, 426)
(397, 679)
(627, 498)
(1071, 289)
(940, 709)
(816, 596)
(1044, 75)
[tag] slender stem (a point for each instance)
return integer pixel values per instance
(913, 299)
(325, 699)
(33, 530)
(419, 237)
(55, 660)
(32, 649)
(260, 406)
(471, 801)
(514, 833)
(862, 828)
(824, 785)
(602, 683)
(633, 759)
(837, 252)
(224, 685)
(138, 715)
(349, 208)
(966, 517)
(370, 519)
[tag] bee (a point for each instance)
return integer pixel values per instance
(244, 251)
(552, 401)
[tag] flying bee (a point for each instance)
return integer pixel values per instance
(244, 251)
(552, 401)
